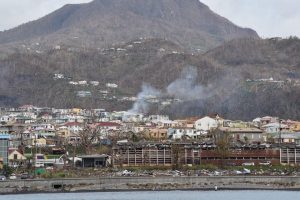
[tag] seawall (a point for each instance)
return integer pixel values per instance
(150, 183)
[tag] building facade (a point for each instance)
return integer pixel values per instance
(4, 142)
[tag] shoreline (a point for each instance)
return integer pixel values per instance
(158, 190)
(132, 184)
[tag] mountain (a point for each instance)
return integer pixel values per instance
(174, 57)
(242, 79)
(101, 23)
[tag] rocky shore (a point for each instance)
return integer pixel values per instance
(150, 183)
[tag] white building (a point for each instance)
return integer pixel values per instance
(6, 119)
(206, 123)
(111, 85)
(94, 83)
(74, 127)
(274, 127)
(179, 133)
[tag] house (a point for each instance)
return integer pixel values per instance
(94, 83)
(95, 161)
(257, 122)
(76, 111)
(82, 82)
(156, 133)
(188, 122)
(268, 119)
(235, 124)
(6, 129)
(111, 85)
(39, 142)
(46, 118)
(275, 127)
(138, 128)
(108, 126)
(6, 119)
(294, 126)
(15, 158)
(247, 135)
(165, 123)
(206, 124)
(74, 139)
(84, 93)
(26, 108)
(21, 119)
(286, 138)
(178, 133)
(74, 127)
(63, 132)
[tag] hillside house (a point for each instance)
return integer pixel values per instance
(74, 127)
(6, 119)
(63, 132)
(108, 126)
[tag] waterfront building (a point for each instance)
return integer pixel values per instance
(4, 141)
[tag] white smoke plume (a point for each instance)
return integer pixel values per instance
(184, 88)
(141, 105)
(187, 88)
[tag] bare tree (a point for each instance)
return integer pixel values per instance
(88, 136)
(222, 141)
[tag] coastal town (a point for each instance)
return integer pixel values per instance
(36, 141)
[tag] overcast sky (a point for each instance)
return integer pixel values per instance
(269, 18)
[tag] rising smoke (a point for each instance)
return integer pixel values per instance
(184, 88)
(141, 105)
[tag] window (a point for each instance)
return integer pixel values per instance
(15, 156)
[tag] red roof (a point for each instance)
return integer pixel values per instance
(72, 124)
(108, 124)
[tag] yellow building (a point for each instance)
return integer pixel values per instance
(39, 142)
(65, 133)
(76, 110)
(294, 126)
(156, 134)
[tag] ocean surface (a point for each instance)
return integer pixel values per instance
(168, 195)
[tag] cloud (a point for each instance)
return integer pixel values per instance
(16, 12)
(270, 18)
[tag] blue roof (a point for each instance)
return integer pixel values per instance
(4, 136)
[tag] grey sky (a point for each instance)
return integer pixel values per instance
(268, 17)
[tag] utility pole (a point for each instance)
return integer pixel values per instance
(279, 124)
(34, 156)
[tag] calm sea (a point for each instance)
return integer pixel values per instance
(169, 195)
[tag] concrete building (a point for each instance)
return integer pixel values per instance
(95, 161)
(206, 124)
(249, 135)
(4, 141)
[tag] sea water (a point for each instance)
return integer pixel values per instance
(162, 195)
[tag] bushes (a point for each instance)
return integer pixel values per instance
(49, 175)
